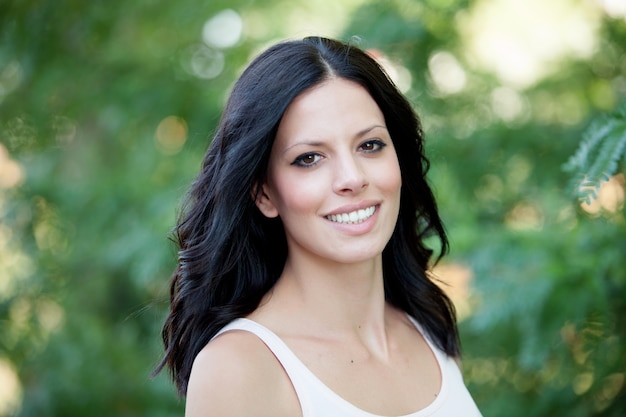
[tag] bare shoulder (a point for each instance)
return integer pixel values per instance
(237, 375)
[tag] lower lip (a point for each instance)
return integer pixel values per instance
(357, 228)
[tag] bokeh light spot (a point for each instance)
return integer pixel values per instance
(455, 279)
(11, 172)
(522, 41)
(11, 392)
(16, 265)
(203, 62)
(614, 8)
(525, 215)
(582, 382)
(171, 135)
(50, 314)
(611, 387)
(446, 73)
(223, 30)
(207, 63)
(507, 104)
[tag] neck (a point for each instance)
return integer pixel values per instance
(338, 298)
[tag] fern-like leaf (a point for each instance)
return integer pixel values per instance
(602, 147)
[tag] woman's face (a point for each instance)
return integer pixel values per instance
(333, 175)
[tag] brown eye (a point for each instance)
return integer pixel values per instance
(307, 160)
(372, 146)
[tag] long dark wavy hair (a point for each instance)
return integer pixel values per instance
(231, 255)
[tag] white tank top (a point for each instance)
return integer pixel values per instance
(318, 400)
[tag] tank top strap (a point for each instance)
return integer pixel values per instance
(295, 369)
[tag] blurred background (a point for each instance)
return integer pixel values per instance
(106, 108)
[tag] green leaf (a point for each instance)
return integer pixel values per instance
(597, 159)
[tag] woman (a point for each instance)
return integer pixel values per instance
(302, 285)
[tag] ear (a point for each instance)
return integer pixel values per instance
(262, 199)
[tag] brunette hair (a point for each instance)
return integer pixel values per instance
(231, 255)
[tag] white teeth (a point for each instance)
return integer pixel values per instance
(354, 217)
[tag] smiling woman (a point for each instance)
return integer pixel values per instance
(302, 287)
(334, 181)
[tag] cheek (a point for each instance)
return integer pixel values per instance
(391, 178)
(294, 195)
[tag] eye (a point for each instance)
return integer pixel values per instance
(307, 160)
(372, 146)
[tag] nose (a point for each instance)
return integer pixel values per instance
(350, 177)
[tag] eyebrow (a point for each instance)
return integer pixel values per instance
(369, 129)
(359, 134)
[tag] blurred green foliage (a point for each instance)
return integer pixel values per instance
(106, 108)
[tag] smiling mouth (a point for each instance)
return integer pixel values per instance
(354, 217)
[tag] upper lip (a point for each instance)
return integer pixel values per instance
(348, 208)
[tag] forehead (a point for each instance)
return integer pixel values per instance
(328, 110)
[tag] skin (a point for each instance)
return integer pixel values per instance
(332, 154)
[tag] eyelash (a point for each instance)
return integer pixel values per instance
(378, 146)
(299, 161)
